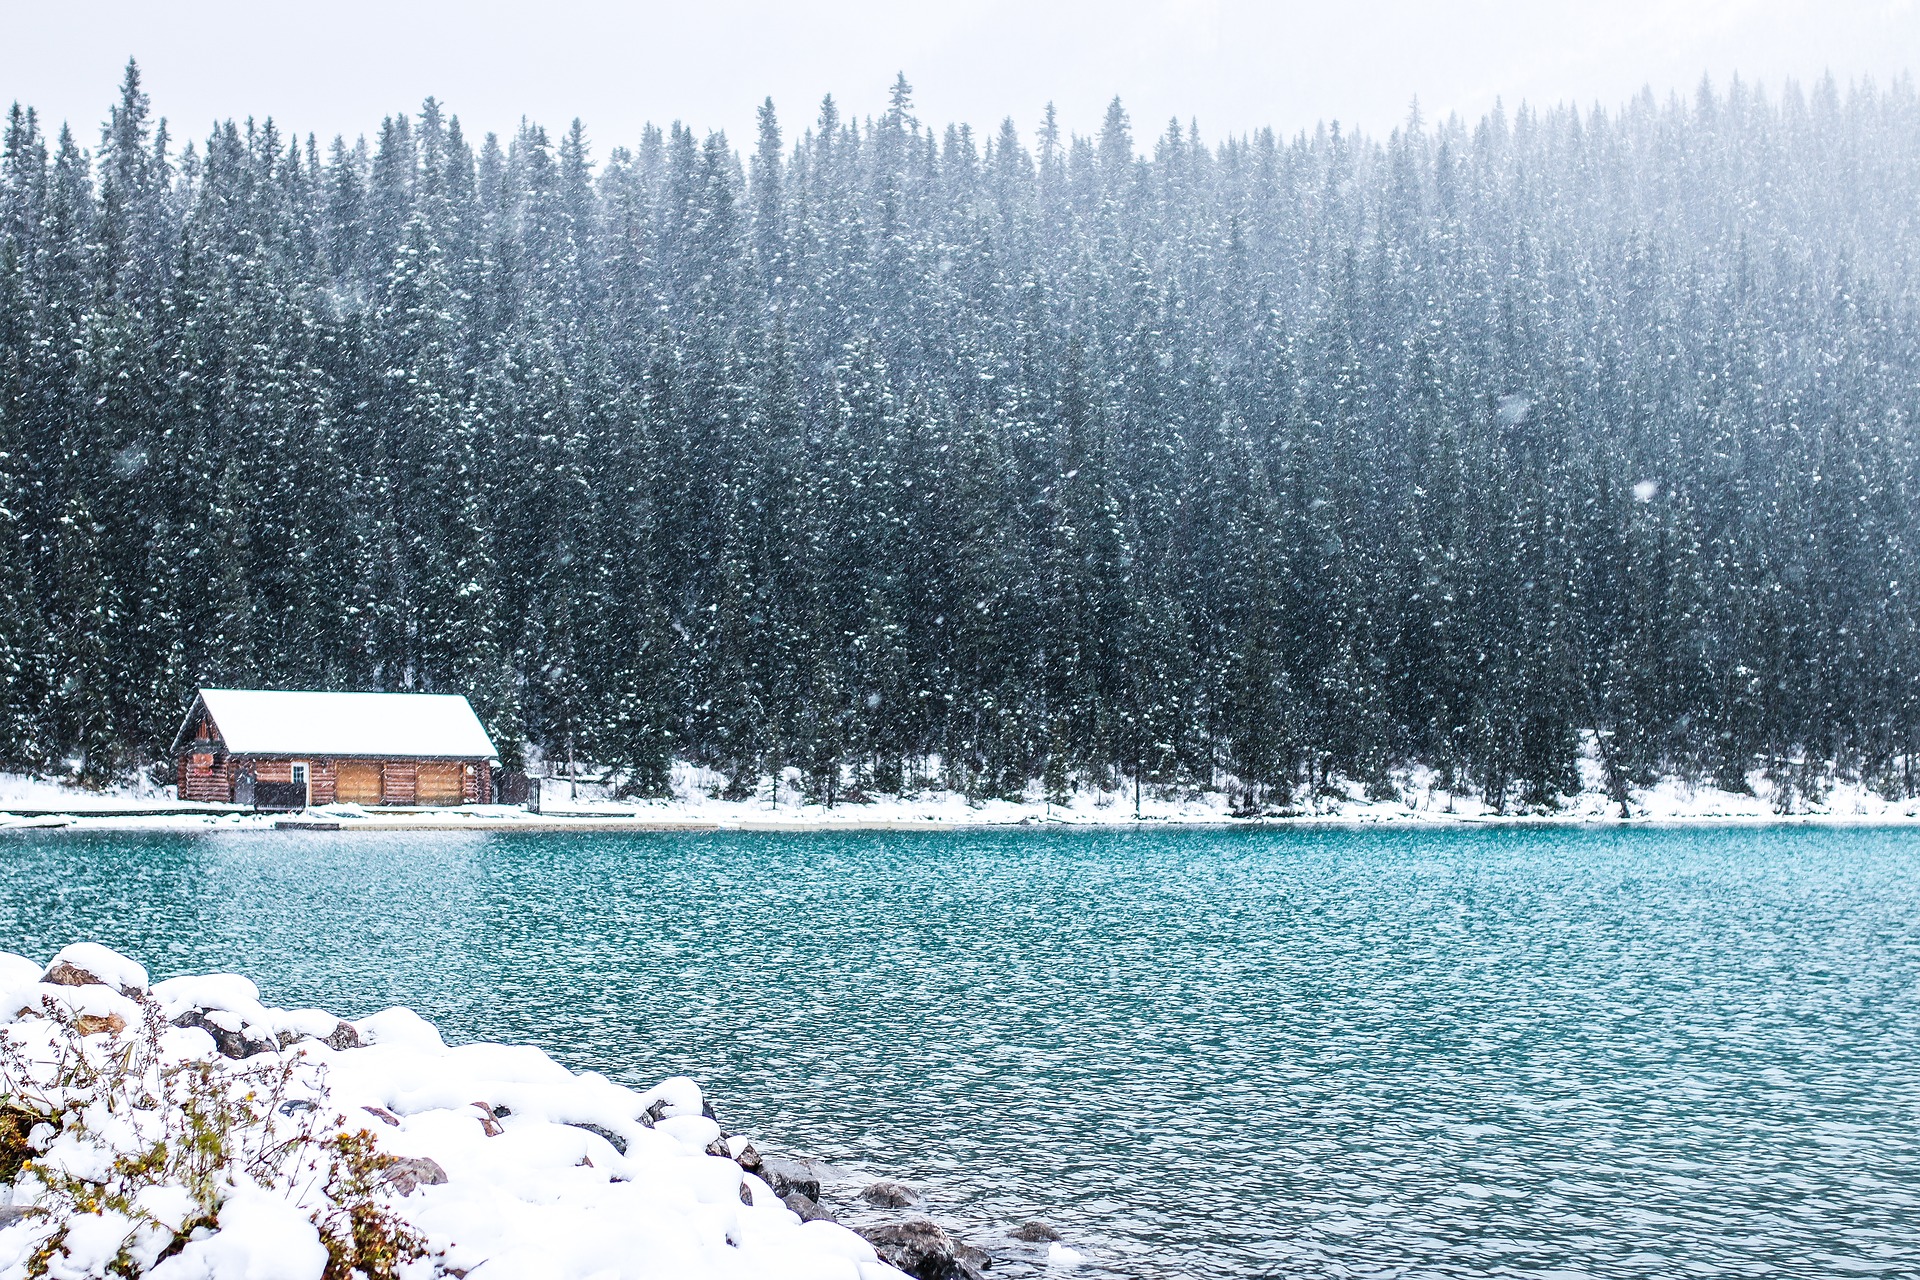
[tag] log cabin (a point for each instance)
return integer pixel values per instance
(284, 749)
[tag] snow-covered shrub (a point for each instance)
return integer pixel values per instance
(365, 1239)
(126, 1140)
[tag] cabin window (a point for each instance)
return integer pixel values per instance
(299, 773)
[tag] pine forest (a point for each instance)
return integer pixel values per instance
(906, 455)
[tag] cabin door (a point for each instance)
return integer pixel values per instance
(438, 784)
(358, 782)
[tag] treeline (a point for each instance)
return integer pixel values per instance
(1276, 460)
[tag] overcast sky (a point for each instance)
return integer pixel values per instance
(1234, 65)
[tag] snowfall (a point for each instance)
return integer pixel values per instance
(696, 803)
(500, 1170)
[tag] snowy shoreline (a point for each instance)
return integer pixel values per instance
(190, 1132)
(31, 803)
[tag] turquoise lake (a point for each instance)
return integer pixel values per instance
(1319, 1052)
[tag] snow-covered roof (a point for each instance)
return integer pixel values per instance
(263, 722)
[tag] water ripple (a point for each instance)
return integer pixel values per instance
(1325, 1053)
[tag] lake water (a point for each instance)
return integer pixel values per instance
(1305, 1052)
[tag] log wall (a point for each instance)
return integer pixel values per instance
(398, 779)
(202, 780)
(198, 778)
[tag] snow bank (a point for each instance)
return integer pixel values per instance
(25, 791)
(1416, 798)
(481, 1153)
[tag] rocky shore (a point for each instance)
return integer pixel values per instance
(184, 1130)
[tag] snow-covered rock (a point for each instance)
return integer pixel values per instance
(492, 1154)
(89, 963)
(227, 1007)
(922, 1248)
(93, 1002)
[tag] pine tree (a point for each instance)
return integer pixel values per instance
(25, 647)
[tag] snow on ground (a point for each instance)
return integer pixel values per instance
(1419, 801)
(22, 791)
(505, 1158)
(696, 804)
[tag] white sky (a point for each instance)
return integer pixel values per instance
(1232, 64)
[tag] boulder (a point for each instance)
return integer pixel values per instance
(675, 1096)
(232, 1044)
(806, 1206)
(88, 964)
(409, 1172)
(1034, 1233)
(62, 974)
(744, 1154)
(787, 1176)
(343, 1037)
(922, 1250)
(890, 1195)
(613, 1139)
(88, 1024)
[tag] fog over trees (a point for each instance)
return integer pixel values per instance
(1252, 462)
